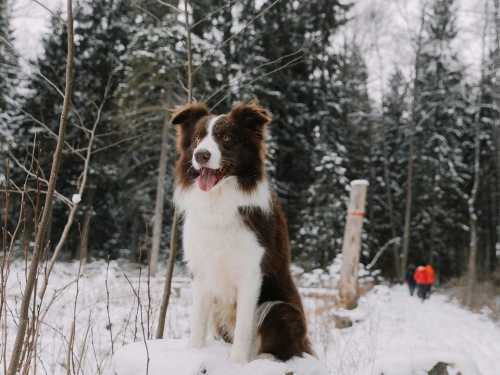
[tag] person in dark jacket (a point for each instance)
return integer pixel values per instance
(431, 279)
(410, 280)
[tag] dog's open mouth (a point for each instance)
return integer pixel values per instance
(208, 178)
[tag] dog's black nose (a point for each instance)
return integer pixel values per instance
(202, 156)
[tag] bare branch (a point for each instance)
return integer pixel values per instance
(290, 63)
(52, 13)
(250, 22)
(31, 174)
(241, 79)
(51, 132)
(170, 6)
(81, 190)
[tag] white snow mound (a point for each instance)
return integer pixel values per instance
(174, 357)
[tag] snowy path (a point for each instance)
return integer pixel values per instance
(407, 336)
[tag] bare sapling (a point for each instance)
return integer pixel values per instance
(75, 202)
(108, 315)
(173, 232)
(21, 227)
(160, 199)
(47, 208)
(137, 294)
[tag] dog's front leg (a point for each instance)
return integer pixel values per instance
(246, 304)
(199, 315)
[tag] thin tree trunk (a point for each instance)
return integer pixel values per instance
(84, 240)
(408, 207)
(226, 50)
(434, 236)
(173, 232)
(390, 204)
(472, 262)
(42, 226)
(134, 238)
(411, 156)
(496, 64)
(168, 279)
(160, 199)
(27, 228)
(372, 174)
(387, 178)
(48, 231)
(492, 220)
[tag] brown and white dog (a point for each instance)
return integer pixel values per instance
(235, 235)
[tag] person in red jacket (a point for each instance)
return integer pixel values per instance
(424, 277)
(420, 278)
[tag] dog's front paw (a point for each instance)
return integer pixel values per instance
(239, 355)
(266, 356)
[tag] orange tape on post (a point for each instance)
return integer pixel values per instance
(357, 213)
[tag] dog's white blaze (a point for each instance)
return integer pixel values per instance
(224, 256)
(208, 143)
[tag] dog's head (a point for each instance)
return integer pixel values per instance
(214, 147)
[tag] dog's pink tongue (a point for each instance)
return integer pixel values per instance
(207, 179)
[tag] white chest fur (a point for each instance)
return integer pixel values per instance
(218, 247)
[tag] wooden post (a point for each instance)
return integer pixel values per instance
(352, 244)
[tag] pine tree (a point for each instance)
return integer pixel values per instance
(8, 76)
(284, 62)
(387, 189)
(489, 199)
(341, 154)
(443, 129)
(153, 83)
(104, 30)
(101, 38)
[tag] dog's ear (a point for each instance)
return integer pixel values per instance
(185, 118)
(250, 115)
(189, 114)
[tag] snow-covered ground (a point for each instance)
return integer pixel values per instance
(159, 357)
(392, 333)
